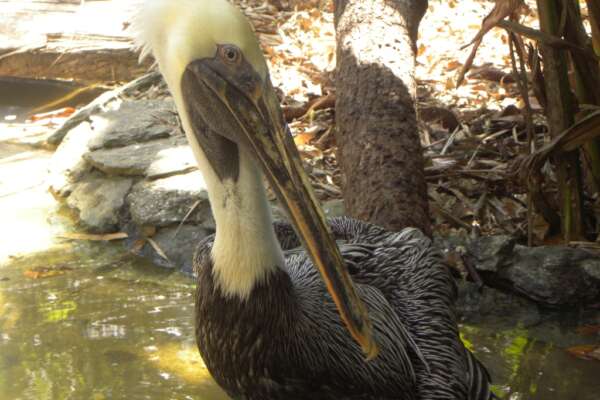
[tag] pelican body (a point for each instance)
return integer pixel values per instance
(318, 309)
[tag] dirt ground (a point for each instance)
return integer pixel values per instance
(472, 134)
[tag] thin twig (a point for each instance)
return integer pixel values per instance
(472, 271)
(450, 140)
(186, 216)
(546, 39)
(158, 250)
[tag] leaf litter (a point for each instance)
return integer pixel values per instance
(474, 135)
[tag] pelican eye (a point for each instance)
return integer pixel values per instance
(230, 53)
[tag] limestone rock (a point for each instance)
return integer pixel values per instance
(68, 165)
(172, 161)
(133, 122)
(554, 275)
(490, 252)
(551, 275)
(98, 201)
(123, 124)
(166, 201)
(136, 159)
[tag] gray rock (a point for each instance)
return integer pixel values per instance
(98, 201)
(550, 275)
(179, 248)
(166, 201)
(554, 275)
(490, 252)
(592, 268)
(124, 123)
(133, 122)
(135, 160)
(67, 165)
(175, 160)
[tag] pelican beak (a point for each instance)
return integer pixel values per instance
(258, 126)
(281, 163)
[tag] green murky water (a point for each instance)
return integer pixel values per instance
(533, 363)
(111, 326)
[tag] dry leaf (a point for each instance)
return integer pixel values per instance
(585, 352)
(61, 113)
(46, 272)
(157, 248)
(93, 237)
(304, 138)
(452, 65)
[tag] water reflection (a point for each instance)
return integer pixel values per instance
(73, 336)
(525, 364)
(129, 335)
(98, 330)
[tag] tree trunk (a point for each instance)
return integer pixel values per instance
(560, 113)
(379, 147)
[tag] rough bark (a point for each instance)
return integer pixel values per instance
(560, 113)
(379, 147)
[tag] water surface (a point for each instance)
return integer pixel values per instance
(108, 325)
(19, 97)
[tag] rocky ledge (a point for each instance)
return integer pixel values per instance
(128, 168)
(553, 276)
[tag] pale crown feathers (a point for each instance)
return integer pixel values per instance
(177, 32)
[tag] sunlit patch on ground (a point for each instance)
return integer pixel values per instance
(25, 204)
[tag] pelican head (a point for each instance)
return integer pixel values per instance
(217, 74)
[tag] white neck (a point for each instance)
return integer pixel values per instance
(245, 249)
(177, 32)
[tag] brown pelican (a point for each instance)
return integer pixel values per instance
(268, 325)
